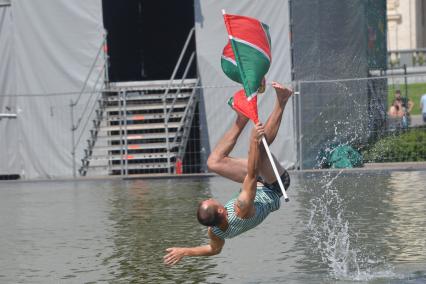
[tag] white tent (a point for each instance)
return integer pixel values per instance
(46, 49)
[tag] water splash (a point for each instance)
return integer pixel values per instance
(331, 237)
(330, 232)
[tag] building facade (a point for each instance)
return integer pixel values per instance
(406, 24)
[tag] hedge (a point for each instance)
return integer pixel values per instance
(408, 146)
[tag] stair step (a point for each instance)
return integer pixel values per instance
(147, 85)
(144, 166)
(148, 116)
(138, 136)
(140, 126)
(145, 107)
(145, 146)
(147, 156)
(134, 96)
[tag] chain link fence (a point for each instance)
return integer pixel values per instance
(68, 138)
(379, 117)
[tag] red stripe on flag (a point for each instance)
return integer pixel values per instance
(228, 52)
(246, 107)
(248, 29)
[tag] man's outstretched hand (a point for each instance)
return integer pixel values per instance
(283, 93)
(174, 255)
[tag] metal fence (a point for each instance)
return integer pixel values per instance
(359, 113)
(124, 134)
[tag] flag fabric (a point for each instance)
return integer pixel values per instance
(241, 104)
(247, 56)
(229, 64)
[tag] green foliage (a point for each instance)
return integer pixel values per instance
(409, 146)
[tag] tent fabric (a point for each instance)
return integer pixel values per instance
(54, 45)
(211, 37)
(8, 127)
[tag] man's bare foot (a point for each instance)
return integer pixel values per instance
(283, 93)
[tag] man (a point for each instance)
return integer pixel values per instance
(405, 105)
(260, 193)
(423, 107)
(404, 102)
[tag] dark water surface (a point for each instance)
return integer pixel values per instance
(339, 227)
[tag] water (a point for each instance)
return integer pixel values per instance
(357, 227)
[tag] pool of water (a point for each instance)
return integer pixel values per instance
(339, 227)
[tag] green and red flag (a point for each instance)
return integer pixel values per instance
(247, 56)
(241, 104)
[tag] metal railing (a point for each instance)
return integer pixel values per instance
(189, 105)
(94, 91)
(177, 66)
(8, 115)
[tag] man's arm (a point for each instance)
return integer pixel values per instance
(410, 105)
(174, 255)
(244, 203)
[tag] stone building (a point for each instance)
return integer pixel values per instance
(406, 24)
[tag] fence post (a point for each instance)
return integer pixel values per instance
(74, 170)
(166, 128)
(126, 152)
(299, 117)
(120, 119)
(405, 80)
(106, 61)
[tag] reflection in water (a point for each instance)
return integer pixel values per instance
(409, 216)
(148, 217)
(367, 227)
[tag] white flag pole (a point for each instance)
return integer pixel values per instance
(274, 167)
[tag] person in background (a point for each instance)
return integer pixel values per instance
(405, 102)
(395, 110)
(423, 107)
(406, 105)
(396, 115)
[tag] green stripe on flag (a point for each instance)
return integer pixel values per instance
(266, 29)
(231, 70)
(231, 102)
(252, 64)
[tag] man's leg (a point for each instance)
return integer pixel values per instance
(219, 160)
(272, 126)
(273, 122)
(236, 168)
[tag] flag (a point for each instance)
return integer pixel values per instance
(229, 64)
(247, 56)
(248, 108)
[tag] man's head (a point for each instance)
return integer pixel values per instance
(210, 212)
(398, 94)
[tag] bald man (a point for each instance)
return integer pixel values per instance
(260, 193)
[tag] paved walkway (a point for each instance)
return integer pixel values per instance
(416, 120)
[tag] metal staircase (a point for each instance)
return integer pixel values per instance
(141, 128)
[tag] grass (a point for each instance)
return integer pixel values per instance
(414, 93)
